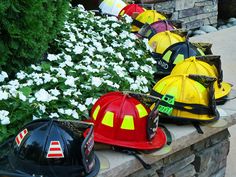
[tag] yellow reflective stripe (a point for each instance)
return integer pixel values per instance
(152, 106)
(167, 56)
(108, 119)
(109, 2)
(201, 52)
(179, 58)
(141, 110)
(95, 113)
(128, 123)
(122, 13)
(200, 87)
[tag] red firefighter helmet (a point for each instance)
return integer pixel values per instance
(131, 9)
(121, 120)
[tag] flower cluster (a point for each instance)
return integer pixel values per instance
(92, 56)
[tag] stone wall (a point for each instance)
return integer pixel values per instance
(206, 158)
(193, 13)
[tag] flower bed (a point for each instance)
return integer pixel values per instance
(92, 56)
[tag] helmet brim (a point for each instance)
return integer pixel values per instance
(157, 142)
(223, 91)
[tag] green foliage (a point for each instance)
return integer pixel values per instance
(26, 28)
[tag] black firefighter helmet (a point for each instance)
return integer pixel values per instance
(54, 148)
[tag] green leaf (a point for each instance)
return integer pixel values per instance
(26, 91)
(45, 66)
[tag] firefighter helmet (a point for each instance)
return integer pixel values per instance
(195, 66)
(130, 9)
(187, 99)
(161, 41)
(149, 30)
(148, 16)
(121, 120)
(50, 147)
(175, 54)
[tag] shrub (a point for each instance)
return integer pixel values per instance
(26, 28)
(97, 55)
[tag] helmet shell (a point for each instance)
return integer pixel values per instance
(185, 90)
(161, 41)
(148, 16)
(175, 54)
(55, 148)
(195, 66)
(147, 31)
(112, 7)
(130, 9)
(121, 120)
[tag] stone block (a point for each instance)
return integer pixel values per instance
(186, 172)
(219, 137)
(193, 24)
(213, 8)
(184, 4)
(203, 3)
(207, 162)
(175, 167)
(191, 12)
(220, 173)
(177, 156)
(167, 5)
(148, 173)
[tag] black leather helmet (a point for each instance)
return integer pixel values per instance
(54, 148)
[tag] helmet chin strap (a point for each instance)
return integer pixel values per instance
(135, 154)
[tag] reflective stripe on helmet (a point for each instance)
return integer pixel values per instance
(128, 123)
(95, 113)
(108, 119)
(179, 58)
(141, 110)
(167, 56)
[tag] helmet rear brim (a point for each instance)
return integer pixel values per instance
(156, 143)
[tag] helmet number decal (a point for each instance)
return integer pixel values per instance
(55, 150)
(19, 138)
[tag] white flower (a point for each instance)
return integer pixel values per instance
(134, 86)
(68, 111)
(42, 108)
(61, 111)
(75, 114)
(88, 101)
(5, 121)
(21, 75)
(4, 117)
(78, 49)
(96, 81)
(22, 96)
(70, 80)
(35, 117)
(47, 78)
(36, 68)
(52, 57)
(82, 107)
(53, 115)
(3, 76)
(54, 92)
(3, 95)
(73, 102)
(115, 25)
(72, 37)
(44, 96)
